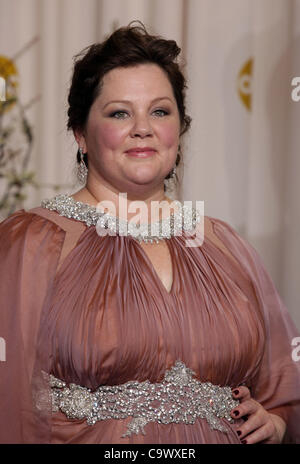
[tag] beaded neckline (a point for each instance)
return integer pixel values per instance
(185, 218)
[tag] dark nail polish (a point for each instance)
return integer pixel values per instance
(236, 413)
(236, 392)
(244, 442)
(239, 432)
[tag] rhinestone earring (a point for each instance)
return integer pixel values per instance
(82, 169)
(171, 180)
(173, 173)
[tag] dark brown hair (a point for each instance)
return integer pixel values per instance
(125, 47)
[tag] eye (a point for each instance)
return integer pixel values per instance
(118, 114)
(160, 112)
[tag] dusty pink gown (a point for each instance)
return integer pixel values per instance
(92, 311)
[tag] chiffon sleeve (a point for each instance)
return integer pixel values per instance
(30, 247)
(276, 385)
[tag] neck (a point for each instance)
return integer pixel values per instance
(146, 208)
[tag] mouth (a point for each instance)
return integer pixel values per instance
(141, 152)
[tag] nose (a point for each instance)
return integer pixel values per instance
(142, 127)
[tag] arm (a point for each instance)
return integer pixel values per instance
(276, 384)
(29, 251)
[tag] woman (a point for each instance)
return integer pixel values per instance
(111, 337)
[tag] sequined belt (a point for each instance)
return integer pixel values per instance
(179, 398)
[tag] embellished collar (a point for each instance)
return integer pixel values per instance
(184, 219)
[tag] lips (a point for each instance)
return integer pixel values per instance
(141, 152)
(136, 150)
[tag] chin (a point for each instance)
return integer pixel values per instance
(145, 182)
(144, 178)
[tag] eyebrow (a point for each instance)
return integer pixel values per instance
(129, 102)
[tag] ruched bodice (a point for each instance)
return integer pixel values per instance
(108, 319)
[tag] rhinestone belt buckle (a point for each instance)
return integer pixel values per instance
(179, 398)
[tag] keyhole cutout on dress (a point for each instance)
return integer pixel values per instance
(160, 257)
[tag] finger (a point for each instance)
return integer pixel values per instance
(242, 393)
(246, 408)
(262, 434)
(255, 422)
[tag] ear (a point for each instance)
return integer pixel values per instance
(80, 139)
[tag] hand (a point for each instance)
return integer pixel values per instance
(260, 426)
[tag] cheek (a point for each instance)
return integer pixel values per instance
(169, 135)
(109, 136)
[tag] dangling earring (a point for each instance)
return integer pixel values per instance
(82, 169)
(173, 173)
(168, 182)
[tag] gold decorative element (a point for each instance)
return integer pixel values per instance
(9, 72)
(244, 81)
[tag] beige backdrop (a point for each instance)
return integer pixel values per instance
(241, 155)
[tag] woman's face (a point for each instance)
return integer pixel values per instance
(135, 110)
